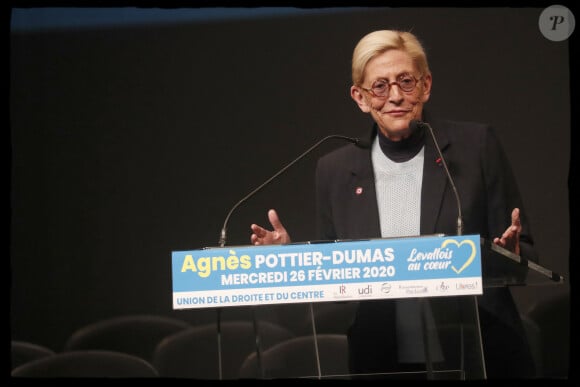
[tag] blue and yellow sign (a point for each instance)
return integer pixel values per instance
(427, 266)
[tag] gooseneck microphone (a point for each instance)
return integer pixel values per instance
(222, 241)
(358, 142)
(413, 125)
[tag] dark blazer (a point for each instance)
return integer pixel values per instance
(347, 209)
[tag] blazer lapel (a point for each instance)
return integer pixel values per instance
(366, 222)
(434, 180)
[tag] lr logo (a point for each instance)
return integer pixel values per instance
(366, 291)
(557, 23)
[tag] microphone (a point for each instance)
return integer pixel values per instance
(413, 125)
(357, 141)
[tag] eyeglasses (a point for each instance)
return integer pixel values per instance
(381, 87)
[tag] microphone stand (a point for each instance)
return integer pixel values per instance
(424, 303)
(449, 178)
(428, 357)
(223, 237)
(316, 352)
(219, 343)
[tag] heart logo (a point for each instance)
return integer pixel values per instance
(458, 244)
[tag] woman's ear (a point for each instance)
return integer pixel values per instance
(358, 97)
(427, 82)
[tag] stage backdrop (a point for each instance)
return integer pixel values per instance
(133, 137)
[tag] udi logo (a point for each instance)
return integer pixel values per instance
(366, 291)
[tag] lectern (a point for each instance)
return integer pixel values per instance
(442, 274)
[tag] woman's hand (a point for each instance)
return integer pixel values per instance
(262, 236)
(510, 239)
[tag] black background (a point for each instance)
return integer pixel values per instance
(131, 141)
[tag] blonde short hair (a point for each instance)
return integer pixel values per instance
(378, 42)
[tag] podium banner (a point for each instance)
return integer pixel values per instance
(426, 266)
